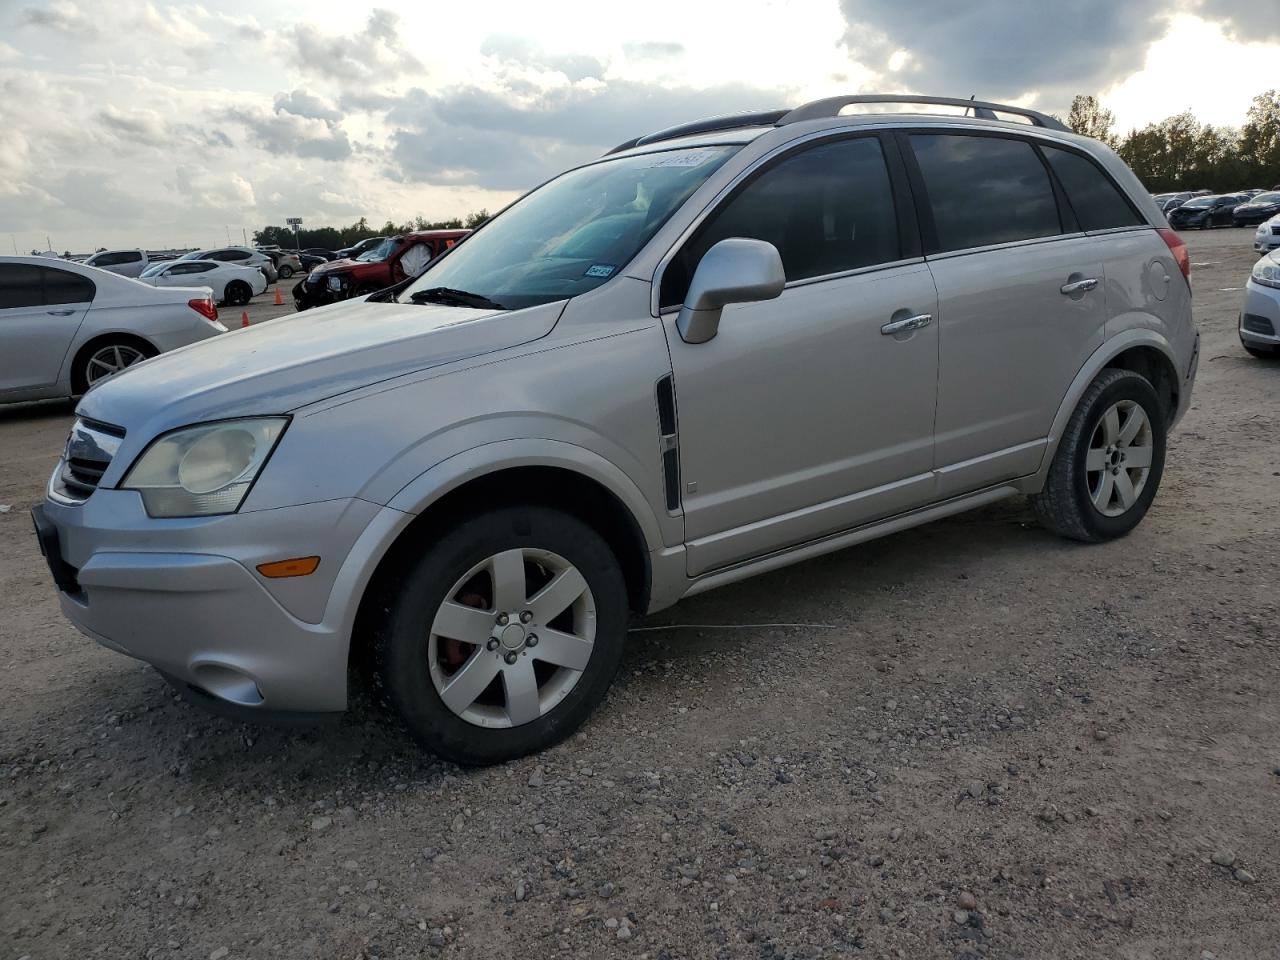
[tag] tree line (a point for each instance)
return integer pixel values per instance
(335, 238)
(1181, 153)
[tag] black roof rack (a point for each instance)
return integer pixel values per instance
(982, 109)
(831, 107)
(766, 118)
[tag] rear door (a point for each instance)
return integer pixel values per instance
(1020, 300)
(41, 308)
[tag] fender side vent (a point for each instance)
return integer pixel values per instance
(668, 444)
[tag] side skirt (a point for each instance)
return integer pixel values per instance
(838, 541)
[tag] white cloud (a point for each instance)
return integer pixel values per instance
(142, 122)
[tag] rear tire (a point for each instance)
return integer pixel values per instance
(100, 359)
(456, 657)
(1102, 481)
(237, 293)
(286, 272)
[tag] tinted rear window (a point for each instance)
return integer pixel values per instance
(985, 190)
(26, 285)
(1097, 202)
(62, 286)
(20, 286)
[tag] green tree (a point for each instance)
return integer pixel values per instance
(1260, 140)
(1090, 118)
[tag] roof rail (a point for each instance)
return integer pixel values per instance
(766, 118)
(831, 107)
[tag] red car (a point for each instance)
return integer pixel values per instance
(393, 260)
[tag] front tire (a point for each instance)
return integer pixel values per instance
(503, 635)
(1109, 462)
(286, 272)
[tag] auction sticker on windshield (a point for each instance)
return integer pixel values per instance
(681, 158)
(600, 270)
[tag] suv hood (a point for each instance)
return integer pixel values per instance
(336, 266)
(281, 365)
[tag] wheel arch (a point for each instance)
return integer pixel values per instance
(1143, 351)
(572, 482)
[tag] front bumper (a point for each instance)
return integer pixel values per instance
(184, 595)
(307, 295)
(1260, 316)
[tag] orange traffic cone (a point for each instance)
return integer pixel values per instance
(244, 318)
(279, 299)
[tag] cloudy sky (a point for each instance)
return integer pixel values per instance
(140, 122)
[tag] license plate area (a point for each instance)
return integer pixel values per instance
(64, 575)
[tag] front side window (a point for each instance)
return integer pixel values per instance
(572, 234)
(827, 208)
(1097, 202)
(985, 190)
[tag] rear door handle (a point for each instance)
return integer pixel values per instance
(61, 313)
(1079, 286)
(907, 323)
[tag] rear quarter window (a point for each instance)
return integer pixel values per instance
(62, 286)
(1097, 202)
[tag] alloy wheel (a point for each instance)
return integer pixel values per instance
(111, 359)
(512, 638)
(1119, 458)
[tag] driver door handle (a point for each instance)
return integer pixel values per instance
(1079, 286)
(61, 313)
(907, 323)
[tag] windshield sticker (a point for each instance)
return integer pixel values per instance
(680, 158)
(600, 270)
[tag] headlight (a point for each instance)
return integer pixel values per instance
(335, 283)
(206, 470)
(1267, 272)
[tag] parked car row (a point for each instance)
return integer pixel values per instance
(388, 262)
(1205, 209)
(64, 326)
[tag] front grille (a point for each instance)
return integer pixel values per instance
(1256, 324)
(90, 450)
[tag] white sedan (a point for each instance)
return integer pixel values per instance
(231, 284)
(1268, 235)
(64, 326)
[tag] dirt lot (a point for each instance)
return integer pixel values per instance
(1069, 735)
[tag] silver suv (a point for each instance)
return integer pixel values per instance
(718, 350)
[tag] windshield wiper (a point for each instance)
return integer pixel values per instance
(456, 298)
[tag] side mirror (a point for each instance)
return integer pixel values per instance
(736, 270)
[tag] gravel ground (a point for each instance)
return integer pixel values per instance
(971, 739)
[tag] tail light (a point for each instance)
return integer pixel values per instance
(1178, 249)
(206, 308)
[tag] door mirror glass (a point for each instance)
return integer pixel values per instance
(736, 270)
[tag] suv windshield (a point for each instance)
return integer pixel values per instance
(380, 252)
(575, 232)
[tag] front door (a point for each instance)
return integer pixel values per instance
(808, 414)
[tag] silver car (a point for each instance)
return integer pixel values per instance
(64, 326)
(718, 350)
(1260, 316)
